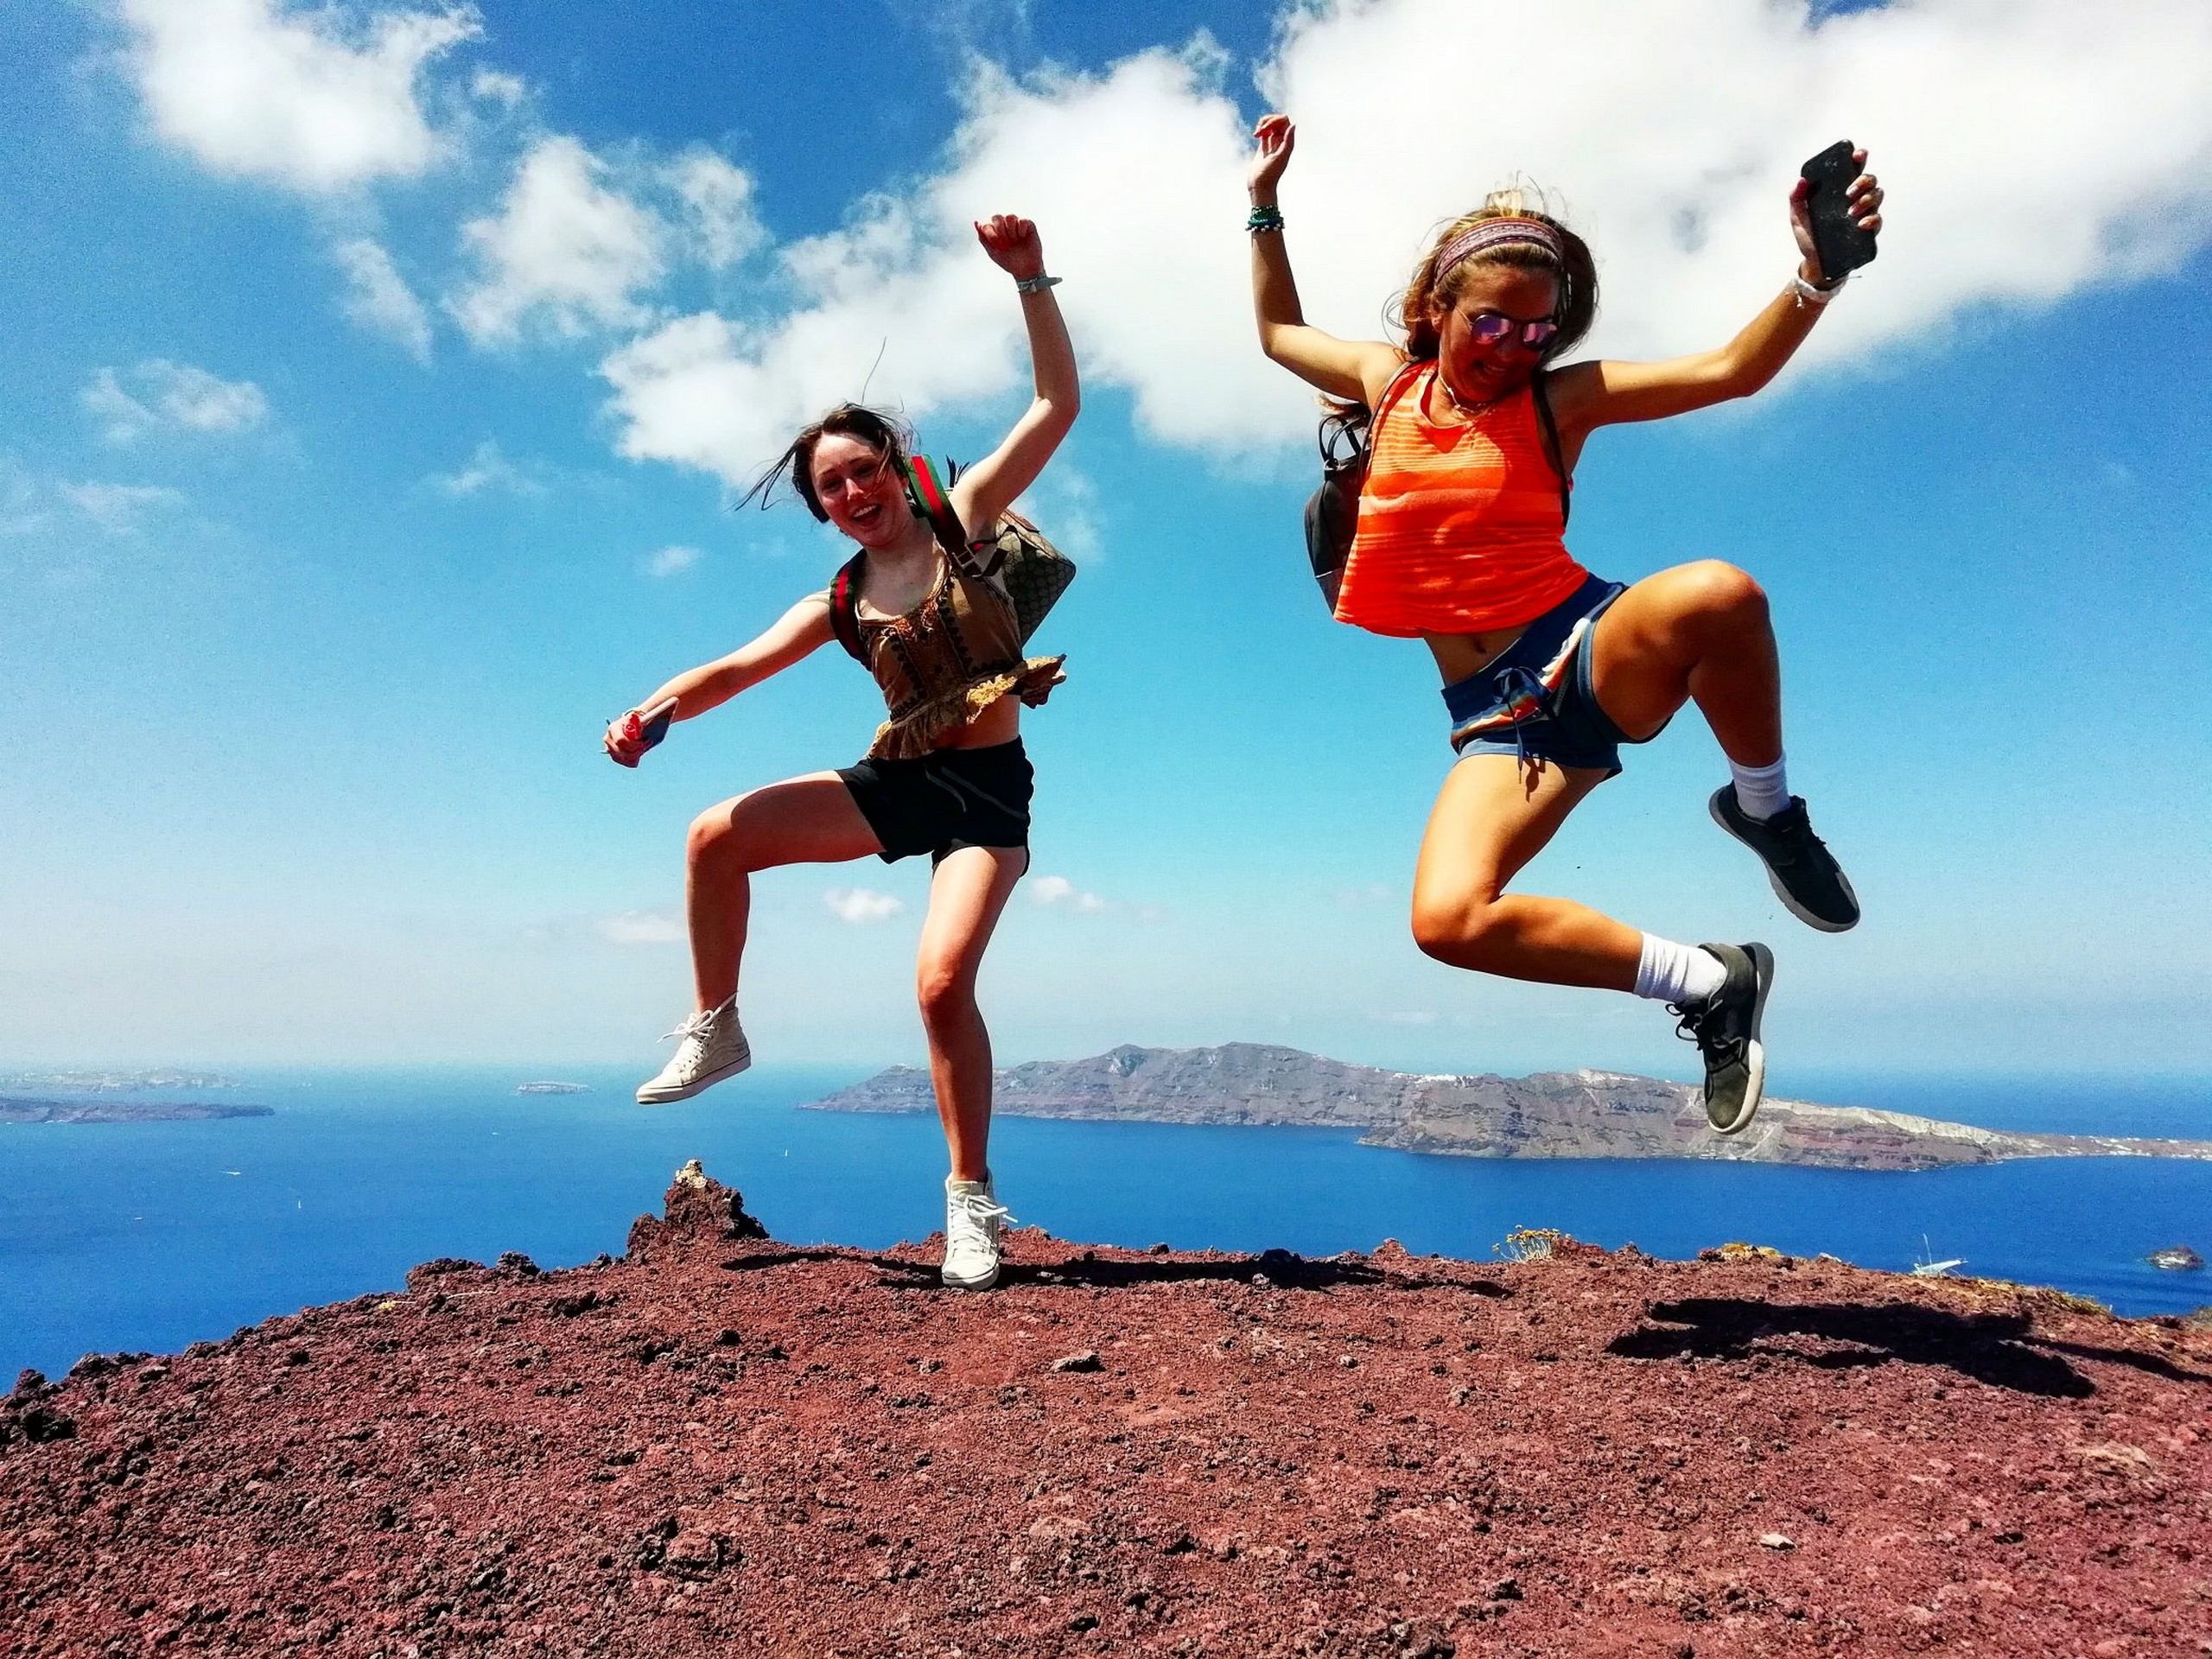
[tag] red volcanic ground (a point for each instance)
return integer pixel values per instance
(723, 1444)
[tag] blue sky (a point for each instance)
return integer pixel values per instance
(376, 382)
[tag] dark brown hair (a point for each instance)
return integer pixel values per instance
(887, 434)
(1577, 276)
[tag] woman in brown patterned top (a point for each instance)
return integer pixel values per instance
(946, 774)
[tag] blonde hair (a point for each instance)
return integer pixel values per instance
(1577, 274)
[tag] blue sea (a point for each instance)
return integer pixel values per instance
(152, 1236)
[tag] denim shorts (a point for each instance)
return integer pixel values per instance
(1536, 700)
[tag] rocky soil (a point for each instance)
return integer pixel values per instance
(718, 1444)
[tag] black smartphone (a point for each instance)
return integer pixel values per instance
(1836, 236)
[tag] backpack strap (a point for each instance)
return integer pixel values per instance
(1400, 383)
(844, 608)
(931, 498)
(1543, 399)
(1351, 427)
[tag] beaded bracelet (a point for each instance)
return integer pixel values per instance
(1264, 218)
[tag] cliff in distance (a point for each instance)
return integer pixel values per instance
(1551, 1114)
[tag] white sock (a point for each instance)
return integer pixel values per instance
(1667, 972)
(1762, 792)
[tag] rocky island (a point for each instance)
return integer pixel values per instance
(101, 1109)
(722, 1445)
(1551, 1114)
(115, 1082)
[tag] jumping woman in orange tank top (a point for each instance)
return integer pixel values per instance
(1473, 441)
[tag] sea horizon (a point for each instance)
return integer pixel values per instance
(152, 1236)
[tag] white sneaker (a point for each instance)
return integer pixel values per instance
(713, 1047)
(972, 1215)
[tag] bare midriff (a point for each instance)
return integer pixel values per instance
(1459, 655)
(1000, 723)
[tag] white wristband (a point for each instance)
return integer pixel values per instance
(1036, 284)
(1809, 294)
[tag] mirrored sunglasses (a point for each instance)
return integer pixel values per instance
(1493, 327)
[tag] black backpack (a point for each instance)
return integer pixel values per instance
(1332, 510)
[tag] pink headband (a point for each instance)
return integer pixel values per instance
(1495, 233)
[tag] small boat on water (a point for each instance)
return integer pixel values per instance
(1927, 1268)
(2176, 1258)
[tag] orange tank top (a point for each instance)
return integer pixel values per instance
(1461, 529)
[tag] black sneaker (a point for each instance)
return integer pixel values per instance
(1725, 1028)
(1804, 874)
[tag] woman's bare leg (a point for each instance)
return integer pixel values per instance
(1701, 631)
(1697, 632)
(967, 895)
(809, 820)
(1493, 816)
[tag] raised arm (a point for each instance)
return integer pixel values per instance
(802, 628)
(1356, 369)
(1586, 395)
(989, 487)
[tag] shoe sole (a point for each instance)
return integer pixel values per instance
(1755, 1051)
(697, 1085)
(1817, 923)
(985, 1283)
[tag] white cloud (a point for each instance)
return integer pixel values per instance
(172, 395)
(717, 198)
(564, 254)
(1686, 126)
(671, 561)
(1057, 892)
(860, 905)
(378, 298)
(488, 470)
(642, 927)
(493, 87)
(1672, 146)
(310, 100)
(1063, 503)
(119, 509)
(22, 500)
(1125, 160)
(31, 504)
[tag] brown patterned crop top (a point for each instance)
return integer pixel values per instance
(946, 661)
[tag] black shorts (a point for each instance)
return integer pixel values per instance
(945, 799)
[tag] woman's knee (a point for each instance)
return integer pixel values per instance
(1716, 589)
(946, 991)
(1454, 928)
(715, 838)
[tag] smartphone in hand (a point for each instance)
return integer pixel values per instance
(646, 727)
(1842, 246)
